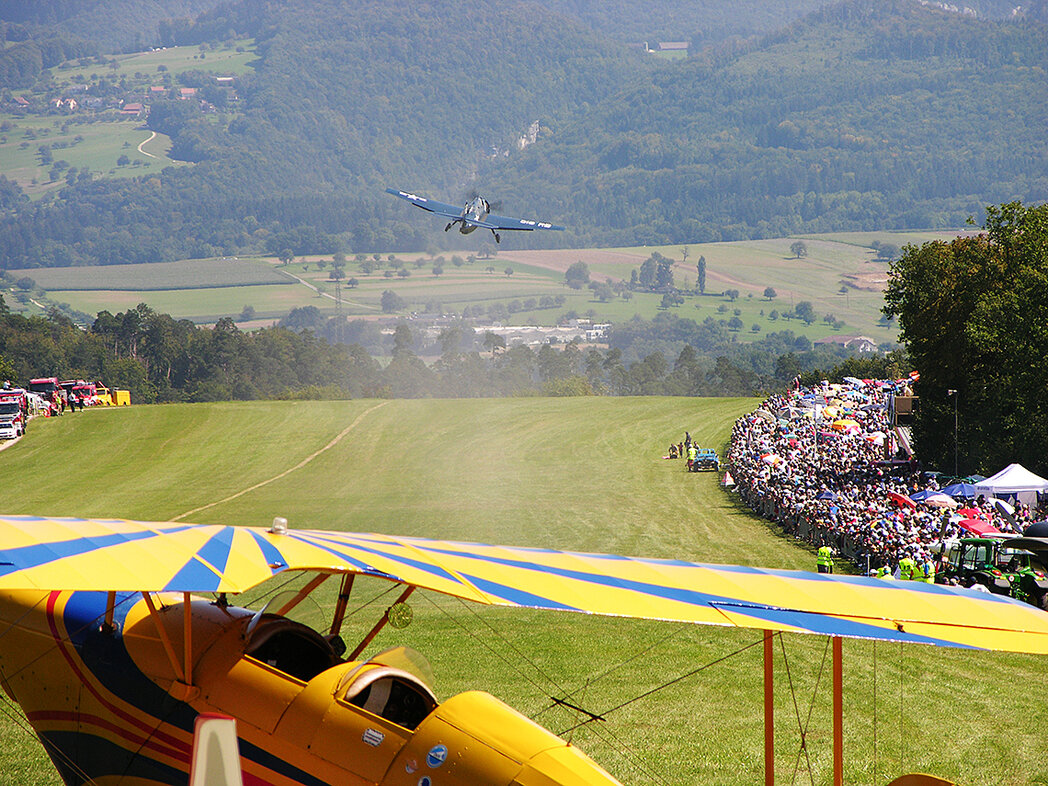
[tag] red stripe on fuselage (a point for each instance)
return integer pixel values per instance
(183, 748)
(85, 719)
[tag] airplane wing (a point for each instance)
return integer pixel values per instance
(524, 224)
(103, 555)
(442, 208)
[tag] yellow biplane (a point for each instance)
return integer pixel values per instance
(113, 656)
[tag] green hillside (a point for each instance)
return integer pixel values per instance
(862, 116)
(885, 116)
(566, 473)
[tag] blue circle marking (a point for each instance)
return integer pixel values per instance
(424, 781)
(436, 756)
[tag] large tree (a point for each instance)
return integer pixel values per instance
(973, 314)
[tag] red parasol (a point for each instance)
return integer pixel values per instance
(901, 500)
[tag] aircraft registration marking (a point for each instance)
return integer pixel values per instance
(373, 737)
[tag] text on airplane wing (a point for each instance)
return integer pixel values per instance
(108, 555)
(524, 224)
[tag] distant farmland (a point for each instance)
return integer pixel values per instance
(158, 276)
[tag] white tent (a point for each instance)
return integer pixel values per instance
(1013, 481)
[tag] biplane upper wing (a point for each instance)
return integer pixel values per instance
(432, 205)
(104, 555)
(523, 224)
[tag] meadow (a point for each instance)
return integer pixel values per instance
(96, 140)
(578, 473)
(185, 274)
(94, 144)
(839, 275)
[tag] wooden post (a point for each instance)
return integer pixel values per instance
(187, 636)
(769, 711)
(838, 712)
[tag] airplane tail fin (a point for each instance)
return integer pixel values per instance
(216, 754)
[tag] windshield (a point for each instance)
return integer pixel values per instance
(9, 408)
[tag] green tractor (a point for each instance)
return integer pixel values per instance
(1000, 566)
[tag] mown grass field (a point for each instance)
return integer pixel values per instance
(581, 473)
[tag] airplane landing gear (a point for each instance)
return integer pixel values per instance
(497, 238)
(448, 226)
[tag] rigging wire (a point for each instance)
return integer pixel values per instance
(803, 727)
(666, 684)
(608, 671)
(605, 734)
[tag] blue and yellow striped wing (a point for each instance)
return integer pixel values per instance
(103, 555)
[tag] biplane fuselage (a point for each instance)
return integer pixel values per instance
(108, 701)
(114, 680)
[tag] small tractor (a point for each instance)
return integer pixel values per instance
(705, 459)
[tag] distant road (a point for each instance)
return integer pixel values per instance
(152, 136)
(305, 283)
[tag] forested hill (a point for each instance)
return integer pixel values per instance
(862, 115)
(109, 25)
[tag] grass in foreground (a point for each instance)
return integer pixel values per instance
(583, 474)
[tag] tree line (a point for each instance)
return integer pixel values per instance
(972, 314)
(161, 359)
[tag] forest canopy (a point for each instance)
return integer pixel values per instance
(973, 315)
(859, 116)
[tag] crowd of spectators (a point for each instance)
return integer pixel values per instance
(827, 465)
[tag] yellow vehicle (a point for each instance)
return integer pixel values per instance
(103, 397)
(114, 664)
(111, 398)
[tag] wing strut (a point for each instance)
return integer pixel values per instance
(343, 602)
(164, 638)
(838, 712)
(187, 636)
(311, 585)
(182, 687)
(107, 624)
(769, 709)
(380, 624)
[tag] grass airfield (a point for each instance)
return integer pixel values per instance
(578, 473)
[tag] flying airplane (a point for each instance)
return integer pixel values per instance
(113, 658)
(475, 213)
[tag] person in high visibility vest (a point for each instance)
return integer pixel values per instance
(692, 452)
(907, 569)
(885, 572)
(824, 559)
(925, 570)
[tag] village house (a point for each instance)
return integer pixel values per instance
(862, 344)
